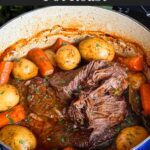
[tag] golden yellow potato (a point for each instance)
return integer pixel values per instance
(18, 137)
(51, 56)
(136, 80)
(67, 57)
(130, 137)
(96, 49)
(24, 69)
(9, 97)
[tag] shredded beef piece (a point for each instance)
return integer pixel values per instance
(116, 84)
(74, 79)
(105, 115)
(102, 140)
(103, 107)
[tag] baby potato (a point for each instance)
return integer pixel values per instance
(96, 49)
(51, 56)
(130, 137)
(18, 137)
(67, 57)
(24, 69)
(136, 80)
(9, 97)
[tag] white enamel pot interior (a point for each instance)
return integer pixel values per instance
(81, 17)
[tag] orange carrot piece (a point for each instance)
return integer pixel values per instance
(14, 115)
(145, 98)
(135, 63)
(59, 42)
(38, 56)
(5, 70)
(68, 148)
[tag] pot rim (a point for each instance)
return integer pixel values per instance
(99, 7)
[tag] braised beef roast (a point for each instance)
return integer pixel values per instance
(84, 108)
(69, 83)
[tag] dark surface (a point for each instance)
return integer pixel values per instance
(9, 12)
(140, 13)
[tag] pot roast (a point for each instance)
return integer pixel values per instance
(82, 107)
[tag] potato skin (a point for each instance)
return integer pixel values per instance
(130, 137)
(96, 49)
(136, 80)
(24, 69)
(67, 57)
(51, 56)
(9, 97)
(18, 137)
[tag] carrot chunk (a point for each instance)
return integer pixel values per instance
(135, 63)
(59, 42)
(14, 115)
(38, 56)
(68, 148)
(5, 70)
(145, 98)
